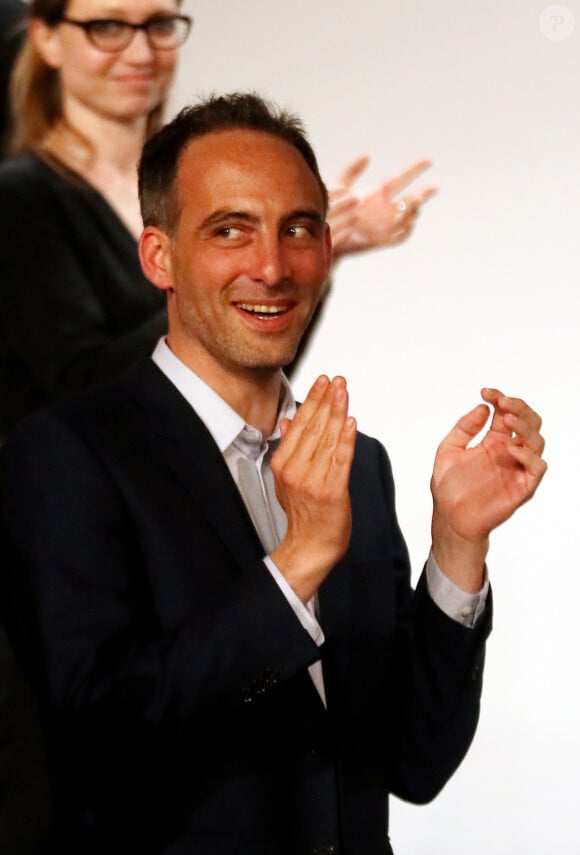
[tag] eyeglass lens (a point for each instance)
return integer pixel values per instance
(162, 33)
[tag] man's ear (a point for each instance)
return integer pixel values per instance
(46, 40)
(155, 256)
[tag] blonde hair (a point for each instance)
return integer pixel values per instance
(35, 90)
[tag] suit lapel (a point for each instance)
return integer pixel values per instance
(184, 444)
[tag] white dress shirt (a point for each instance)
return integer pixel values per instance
(248, 455)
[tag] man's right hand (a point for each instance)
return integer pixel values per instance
(311, 470)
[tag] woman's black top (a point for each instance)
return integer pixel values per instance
(76, 309)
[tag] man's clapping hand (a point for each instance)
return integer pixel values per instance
(311, 469)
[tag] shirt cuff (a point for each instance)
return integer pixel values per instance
(455, 603)
(305, 613)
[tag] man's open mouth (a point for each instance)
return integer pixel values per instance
(262, 311)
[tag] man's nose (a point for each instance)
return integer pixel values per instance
(270, 263)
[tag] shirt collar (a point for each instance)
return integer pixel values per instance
(224, 424)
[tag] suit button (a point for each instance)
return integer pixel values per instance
(273, 676)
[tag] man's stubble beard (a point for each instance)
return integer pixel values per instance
(230, 349)
(233, 349)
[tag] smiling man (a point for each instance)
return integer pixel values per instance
(245, 268)
(207, 586)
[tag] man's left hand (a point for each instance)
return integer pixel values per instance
(477, 488)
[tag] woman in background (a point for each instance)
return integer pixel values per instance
(75, 308)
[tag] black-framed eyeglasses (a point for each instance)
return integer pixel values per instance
(112, 35)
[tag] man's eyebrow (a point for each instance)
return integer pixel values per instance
(226, 214)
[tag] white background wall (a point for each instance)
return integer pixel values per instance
(485, 293)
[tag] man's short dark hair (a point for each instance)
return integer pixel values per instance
(158, 194)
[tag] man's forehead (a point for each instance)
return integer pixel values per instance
(226, 167)
(256, 151)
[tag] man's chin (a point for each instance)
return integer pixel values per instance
(269, 365)
(271, 360)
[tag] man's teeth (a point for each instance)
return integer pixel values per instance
(262, 310)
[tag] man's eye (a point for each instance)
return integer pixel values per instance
(299, 231)
(229, 233)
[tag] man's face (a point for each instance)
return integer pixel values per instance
(251, 253)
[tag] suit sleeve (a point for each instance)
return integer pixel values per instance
(421, 670)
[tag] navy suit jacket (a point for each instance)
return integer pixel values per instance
(170, 669)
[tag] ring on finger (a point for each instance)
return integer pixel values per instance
(402, 208)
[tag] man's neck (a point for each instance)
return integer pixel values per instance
(253, 393)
